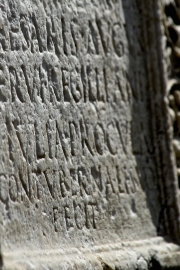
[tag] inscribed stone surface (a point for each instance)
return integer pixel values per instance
(77, 152)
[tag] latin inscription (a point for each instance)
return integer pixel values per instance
(66, 102)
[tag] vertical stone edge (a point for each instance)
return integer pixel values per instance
(161, 127)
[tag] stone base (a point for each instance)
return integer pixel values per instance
(155, 253)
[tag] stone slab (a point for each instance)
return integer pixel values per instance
(85, 157)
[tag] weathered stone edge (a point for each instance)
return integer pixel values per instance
(155, 253)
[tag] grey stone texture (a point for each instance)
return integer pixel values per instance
(87, 169)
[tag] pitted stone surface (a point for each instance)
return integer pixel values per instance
(77, 164)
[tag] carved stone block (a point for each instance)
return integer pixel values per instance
(87, 172)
